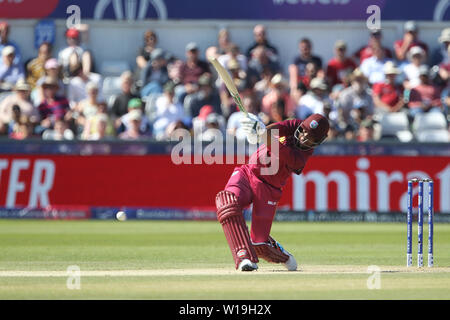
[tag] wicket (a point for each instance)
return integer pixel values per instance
(419, 222)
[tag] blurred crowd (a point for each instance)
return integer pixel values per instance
(375, 93)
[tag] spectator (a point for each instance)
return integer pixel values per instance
(223, 41)
(416, 56)
(52, 69)
(262, 87)
(144, 54)
(20, 98)
(87, 107)
(36, 67)
(125, 122)
(10, 72)
(297, 70)
(367, 51)
(410, 39)
(340, 64)
(22, 130)
(133, 130)
(73, 56)
(366, 131)
(154, 75)
(388, 95)
(189, 73)
(441, 55)
(53, 107)
(60, 131)
(214, 128)
(98, 126)
(260, 36)
(239, 78)
(279, 90)
(167, 112)
(314, 100)
(233, 53)
(277, 112)
(424, 97)
(444, 67)
(5, 42)
(234, 125)
(373, 67)
(206, 95)
(120, 105)
(258, 63)
(355, 102)
(76, 90)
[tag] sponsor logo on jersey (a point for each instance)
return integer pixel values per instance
(282, 140)
(272, 203)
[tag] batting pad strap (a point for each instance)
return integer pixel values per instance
(270, 253)
(229, 214)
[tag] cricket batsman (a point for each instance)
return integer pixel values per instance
(247, 185)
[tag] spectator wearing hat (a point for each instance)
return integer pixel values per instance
(76, 90)
(52, 69)
(340, 64)
(10, 72)
(425, 96)
(367, 51)
(53, 107)
(189, 72)
(388, 95)
(20, 98)
(355, 102)
(373, 67)
(314, 100)
(440, 55)
(279, 89)
(5, 42)
(410, 39)
(260, 39)
(298, 69)
(74, 54)
(133, 130)
(119, 106)
(36, 67)
(124, 123)
(166, 112)
(416, 57)
(154, 75)
(259, 62)
(206, 95)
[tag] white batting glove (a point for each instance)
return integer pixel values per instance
(253, 128)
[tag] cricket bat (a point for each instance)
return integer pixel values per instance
(223, 73)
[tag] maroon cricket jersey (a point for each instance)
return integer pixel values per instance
(290, 158)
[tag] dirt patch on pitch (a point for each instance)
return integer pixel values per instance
(263, 270)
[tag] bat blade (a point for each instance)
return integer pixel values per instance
(223, 73)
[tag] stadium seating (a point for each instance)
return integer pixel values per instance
(429, 121)
(113, 68)
(434, 136)
(111, 88)
(395, 125)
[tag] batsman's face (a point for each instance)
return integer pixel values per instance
(304, 140)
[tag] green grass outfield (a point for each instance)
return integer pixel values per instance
(191, 260)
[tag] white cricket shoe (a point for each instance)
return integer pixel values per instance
(247, 265)
(291, 264)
